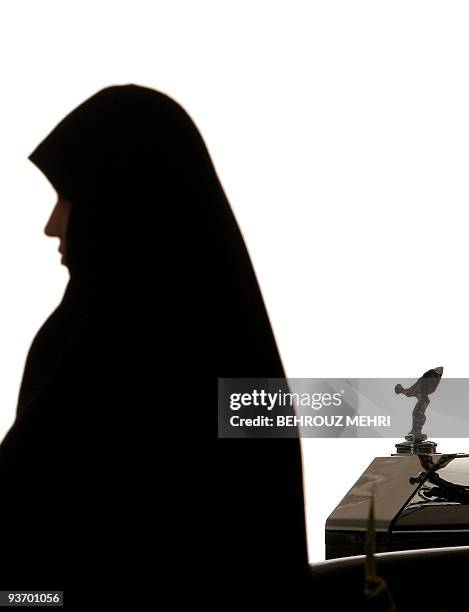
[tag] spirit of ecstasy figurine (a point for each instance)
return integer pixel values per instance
(416, 441)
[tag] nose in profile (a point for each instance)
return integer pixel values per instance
(52, 227)
(56, 226)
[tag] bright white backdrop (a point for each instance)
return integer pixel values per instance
(340, 131)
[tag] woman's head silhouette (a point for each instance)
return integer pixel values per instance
(134, 168)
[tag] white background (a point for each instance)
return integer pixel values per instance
(340, 131)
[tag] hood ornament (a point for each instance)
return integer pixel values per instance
(416, 442)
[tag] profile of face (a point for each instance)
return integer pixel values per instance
(57, 225)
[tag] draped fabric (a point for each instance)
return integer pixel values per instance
(107, 471)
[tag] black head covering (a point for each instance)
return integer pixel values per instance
(126, 158)
(117, 385)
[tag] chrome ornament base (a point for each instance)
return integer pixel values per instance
(414, 445)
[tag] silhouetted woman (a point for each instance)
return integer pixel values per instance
(104, 472)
